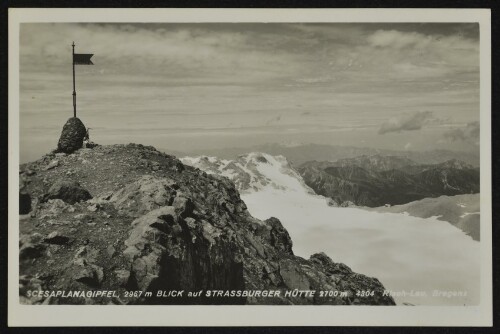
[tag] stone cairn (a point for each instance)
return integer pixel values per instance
(72, 136)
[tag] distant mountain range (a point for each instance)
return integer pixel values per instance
(379, 180)
(299, 154)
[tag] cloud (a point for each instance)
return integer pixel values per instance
(204, 75)
(274, 120)
(398, 39)
(174, 51)
(406, 122)
(316, 80)
(469, 133)
(411, 54)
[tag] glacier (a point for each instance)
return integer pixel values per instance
(413, 257)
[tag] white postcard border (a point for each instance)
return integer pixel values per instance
(247, 315)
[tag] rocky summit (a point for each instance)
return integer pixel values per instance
(72, 136)
(130, 218)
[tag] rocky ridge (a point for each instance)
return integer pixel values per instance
(377, 180)
(150, 223)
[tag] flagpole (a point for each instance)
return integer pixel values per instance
(74, 89)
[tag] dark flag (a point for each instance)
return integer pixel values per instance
(82, 59)
(79, 59)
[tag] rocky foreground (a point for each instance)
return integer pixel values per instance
(130, 218)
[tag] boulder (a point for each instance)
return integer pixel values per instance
(29, 283)
(84, 218)
(347, 204)
(167, 253)
(53, 208)
(72, 135)
(90, 274)
(56, 238)
(84, 268)
(30, 246)
(90, 144)
(52, 164)
(294, 277)
(24, 203)
(280, 239)
(68, 191)
(145, 194)
(183, 206)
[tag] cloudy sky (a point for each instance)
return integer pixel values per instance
(194, 86)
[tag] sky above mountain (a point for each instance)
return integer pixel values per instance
(192, 86)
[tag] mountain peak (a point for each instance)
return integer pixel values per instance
(376, 162)
(456, 164)
(253, 171)
(379, 180)
(152, 223)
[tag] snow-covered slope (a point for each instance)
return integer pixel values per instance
(253, 172)
(461, 211)
(408, 254)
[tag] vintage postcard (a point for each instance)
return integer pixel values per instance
(174, 167)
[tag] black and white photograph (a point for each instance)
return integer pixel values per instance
(327, 165)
